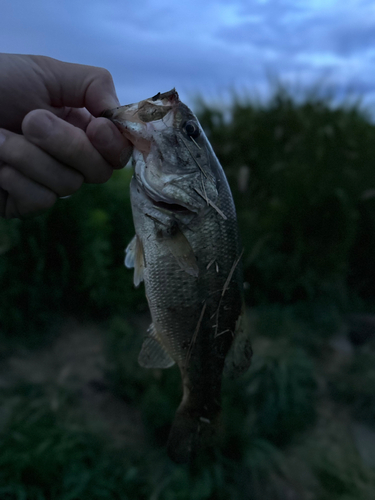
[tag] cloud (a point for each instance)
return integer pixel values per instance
(201, 46)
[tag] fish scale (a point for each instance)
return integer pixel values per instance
(185, 219)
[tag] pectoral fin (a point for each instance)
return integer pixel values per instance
(182, 251)
(135, 258)
(153, 354)
(239, 356)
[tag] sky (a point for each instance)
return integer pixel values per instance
(208, 48)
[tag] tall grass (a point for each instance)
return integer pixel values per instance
(69, 260)
(303, 178)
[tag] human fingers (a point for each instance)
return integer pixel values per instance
(34, 163)
(103, 134)
(67, 144)
(23, 197)
(108, 140)
(77, 85)
(29, 82)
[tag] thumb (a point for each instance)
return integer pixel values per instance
(78, 85)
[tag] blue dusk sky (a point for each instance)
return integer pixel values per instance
(205, 47)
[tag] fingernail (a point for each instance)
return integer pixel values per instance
(112, 103)
(125, 156)
(41, 126)
(2, 137)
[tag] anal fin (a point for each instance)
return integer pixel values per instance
(153, 354)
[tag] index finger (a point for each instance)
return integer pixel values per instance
(77, 85)
(67, 144)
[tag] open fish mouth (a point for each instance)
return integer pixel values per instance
(150, 110)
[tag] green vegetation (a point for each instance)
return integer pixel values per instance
(45, 455)
(307, 209)
(70, 260)
(355, 386)
(302, 174)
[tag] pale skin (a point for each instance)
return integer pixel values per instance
(52, 138)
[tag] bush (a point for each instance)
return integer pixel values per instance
(280, 394)
(303, 181)
(274, 401)
(355, 386)
(70, 259)
(307, 324)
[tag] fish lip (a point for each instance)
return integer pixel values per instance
(139, 112)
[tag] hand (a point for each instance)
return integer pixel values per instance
(51, 140)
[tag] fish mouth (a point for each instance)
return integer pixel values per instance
(149, 110)
(139, 121)
(170, 97)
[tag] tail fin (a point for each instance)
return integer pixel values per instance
(190, 433)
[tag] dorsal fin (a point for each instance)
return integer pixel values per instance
(153, 354)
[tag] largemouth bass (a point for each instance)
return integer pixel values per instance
(187, 251)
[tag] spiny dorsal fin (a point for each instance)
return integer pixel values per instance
(153, 354)
(135, 258)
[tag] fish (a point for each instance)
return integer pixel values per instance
(187, 250)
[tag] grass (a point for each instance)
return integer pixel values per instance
(304, 324)
(49, 450)
(45, 454)
(337, 467)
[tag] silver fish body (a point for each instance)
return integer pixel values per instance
(187, 251)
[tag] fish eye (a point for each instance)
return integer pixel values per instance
(192, 129)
